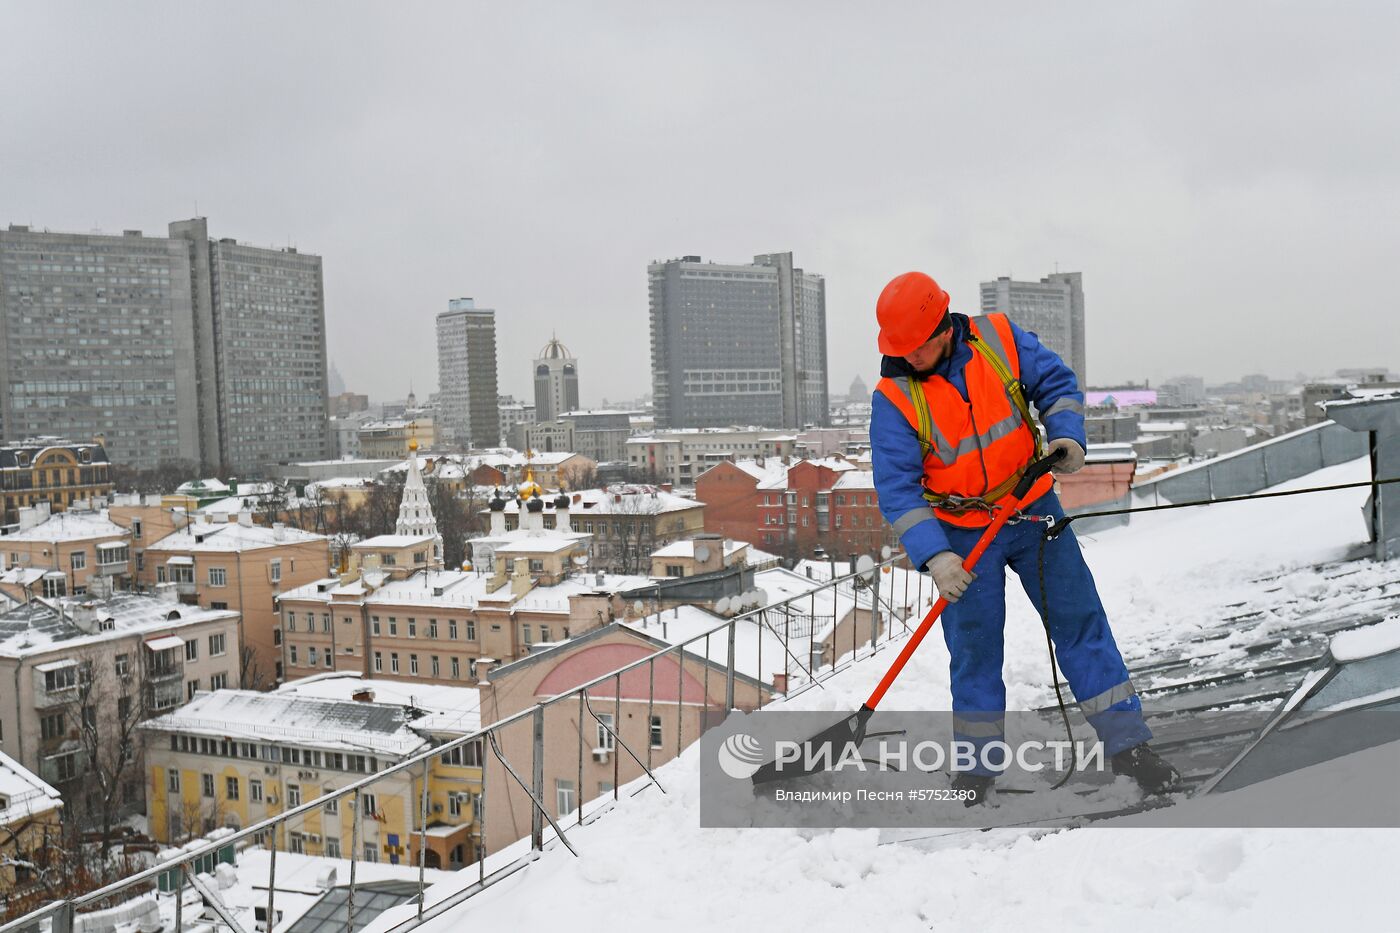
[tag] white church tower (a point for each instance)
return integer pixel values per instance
(415, 514)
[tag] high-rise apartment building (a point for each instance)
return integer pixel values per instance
(466, 343)
(1053, 308)
(737, 344)
(556, 381)
(172, 348)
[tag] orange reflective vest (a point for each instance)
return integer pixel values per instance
(975, 449)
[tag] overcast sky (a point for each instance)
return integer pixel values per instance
(1225, 175)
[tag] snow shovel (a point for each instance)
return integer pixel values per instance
(851, 730)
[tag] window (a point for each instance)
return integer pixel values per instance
(277, 636)
(374, 625)
(231, 787)
(274, 570)
(388, 559)
(605, 726)
(123, 665)
(675, 570)
(471, 630)
(123, 710)
(217, 645)
(291, 621)
(332, 847)
(296, 843)
(55, 586)
(413, 664)
(51, 726)
(136, 528)
(172, 780)
(292, 655)
(326, 658)
(378, 662)
(437, 672)
(371, 854)
(325, 621)
(368, 805)
(525, 630)
(432, 628)
(454, 805)
(564, 796)
(192, 650)
(78, 560)
(255, 790)
(656, 732)
(293, 795)
(60, 679)
(451, 628)
(312, 656)
(471, 668)
(218, 681)
(206, 785)
(191, 688)
(393, 662)
(333, 805)
(456, 670)
(412, 628)
(393, 626)
(218, 576)
(544, 633)
(215, 604)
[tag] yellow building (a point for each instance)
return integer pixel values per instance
(50, 470)
(382, 439)
(234, 757)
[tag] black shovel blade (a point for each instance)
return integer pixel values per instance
(850, 730)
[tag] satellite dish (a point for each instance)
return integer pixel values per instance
(580, 560)
(761, 598)
(702, 553)
(865, 566)
(638, 608)
(722, 605)
(885, 552)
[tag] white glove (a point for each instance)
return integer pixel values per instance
(1073, 460)
(949, 576)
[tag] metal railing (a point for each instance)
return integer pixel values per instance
(806, 663)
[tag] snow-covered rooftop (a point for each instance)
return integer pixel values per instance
(1162, 577)
(230, 537)
(446, 709)
(687, 547)
(636, 499)
(23, 793)
(312, 721)
(42, 625)
(70, 526)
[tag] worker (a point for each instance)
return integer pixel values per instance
(951, 433)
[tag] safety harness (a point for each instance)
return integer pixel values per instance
(1014, 391)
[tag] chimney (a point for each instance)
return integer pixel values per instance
(279, 531)
(245, 518)
(780, 683)
(233, 485)
(520, 582)
(84, 616)
(167, 593)
(561, 513)
(363, 695)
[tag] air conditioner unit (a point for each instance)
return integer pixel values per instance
(271, 798)
(601, 754)
(269, 769)
(313, 838)
(437, 808)
(308, 775)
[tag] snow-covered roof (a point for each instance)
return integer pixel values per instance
(446, 709)
(69, 526)
(392, 541)
(758, 649)
(780, 481)
(42, 625)
(855, 479)
(1366, 642)
(637, 499)
(687, 547)
(303, 720)
(23, 793)
(1165, 427)
(230, 537)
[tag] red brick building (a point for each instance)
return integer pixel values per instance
(792, 510)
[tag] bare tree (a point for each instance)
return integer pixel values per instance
(106, 709)
(633, 514)
(581, 476)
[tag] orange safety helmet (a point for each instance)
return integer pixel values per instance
(909, 309)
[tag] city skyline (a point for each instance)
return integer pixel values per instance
(1181, 158)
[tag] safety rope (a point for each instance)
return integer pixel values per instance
(1055, 529)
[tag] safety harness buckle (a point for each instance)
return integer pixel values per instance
(960, 504)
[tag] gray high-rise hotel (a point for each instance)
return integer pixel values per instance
(466, 348)
(172, 348)
(1053, 308)
(737, 344)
